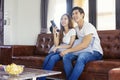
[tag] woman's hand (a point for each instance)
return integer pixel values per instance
(55, 48)
(54, 30)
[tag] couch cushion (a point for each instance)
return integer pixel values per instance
(102, 66)
(23, 50)
(44, 43)
(110, 41)
(29, 61)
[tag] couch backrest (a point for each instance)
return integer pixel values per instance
(44, 43)
(110, 41)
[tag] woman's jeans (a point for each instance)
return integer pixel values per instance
(73, 73)
(49, 62)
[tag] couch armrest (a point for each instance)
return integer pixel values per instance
(5, 54)
(114, 74)
(23, 50)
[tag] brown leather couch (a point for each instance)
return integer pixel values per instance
(105, 69)
(5, 54)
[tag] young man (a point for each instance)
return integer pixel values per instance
(87, 48)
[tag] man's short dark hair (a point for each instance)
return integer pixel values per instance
(79, 9)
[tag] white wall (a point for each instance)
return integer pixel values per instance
(23, 22)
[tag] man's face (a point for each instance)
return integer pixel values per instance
(77, 16)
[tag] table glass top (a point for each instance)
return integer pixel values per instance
(28, 73)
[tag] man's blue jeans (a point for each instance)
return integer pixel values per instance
(50, 61)
(73, 73)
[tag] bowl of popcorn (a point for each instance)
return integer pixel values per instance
(13, 69)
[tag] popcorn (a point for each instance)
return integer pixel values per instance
(14, 69)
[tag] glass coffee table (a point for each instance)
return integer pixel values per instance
(28, 73)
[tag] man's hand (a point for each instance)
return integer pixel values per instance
(64, 52)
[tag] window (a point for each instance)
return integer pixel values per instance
(84, 5)
(106, 14)
(56, 8)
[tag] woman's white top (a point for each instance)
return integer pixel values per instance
(67, 37)
(66, 40)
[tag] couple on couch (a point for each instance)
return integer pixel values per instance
(67, 48)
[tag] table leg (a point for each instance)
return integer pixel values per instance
(34, 78)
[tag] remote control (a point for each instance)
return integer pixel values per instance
(53, 23)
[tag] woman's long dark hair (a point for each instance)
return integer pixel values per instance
(70, 25)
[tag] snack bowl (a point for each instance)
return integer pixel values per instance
(13, 69)
(1, 67)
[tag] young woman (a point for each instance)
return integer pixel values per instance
(63, 39)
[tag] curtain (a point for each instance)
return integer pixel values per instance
(92, 12)
(44, 10)
(69, 6)
(117, 14)
(1, 22)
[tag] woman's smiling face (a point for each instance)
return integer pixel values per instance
(64, 20)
